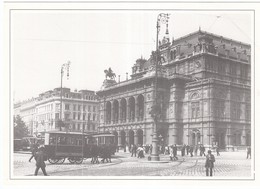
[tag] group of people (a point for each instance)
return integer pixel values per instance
(139, 150)
(104, 152)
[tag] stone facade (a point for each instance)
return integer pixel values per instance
(79, 111)
(204, 86)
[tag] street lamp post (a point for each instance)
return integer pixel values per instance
(64, 66)
(162, 18)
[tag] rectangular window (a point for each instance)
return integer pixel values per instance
(74, 127)
(74, 115)
(66, 95)
(94, 108)
(195, 110)
(84, 116)
(67, 107)
(84, 127)
(79, 126)
(89, 115)
(94, 117)
(74, 107)
(79, 107)
(89, 108)
(84, 108)
(57, 115)
(67, 116)
(79, 116)
(248, 112)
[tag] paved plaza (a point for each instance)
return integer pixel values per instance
(228, 165)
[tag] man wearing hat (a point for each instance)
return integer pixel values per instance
(40, 157)
(210, 159)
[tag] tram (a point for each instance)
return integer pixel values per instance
(75, 146)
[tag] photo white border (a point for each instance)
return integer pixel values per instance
(117, 181)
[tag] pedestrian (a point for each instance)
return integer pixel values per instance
(209, 165)
(191, 151)
(202, 150)
(248, 150)
(40, 157)
(134, 148)
(171, 153)
(196, 150)
(175, 152)
(166, 150)
(140, 152)
(217, 150)
(150, 149)
(183, 150)
(34, 150)
(187, 149)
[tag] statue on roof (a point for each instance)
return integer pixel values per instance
(110, 74)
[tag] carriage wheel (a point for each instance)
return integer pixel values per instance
(61, 161)
(72, 160)
(78, 160)
(53, 160)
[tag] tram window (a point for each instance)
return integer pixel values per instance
(79, 142)
(52, 140)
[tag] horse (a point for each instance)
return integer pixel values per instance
(109, 73)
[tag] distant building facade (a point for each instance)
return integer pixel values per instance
(79, 111)
(204, 91)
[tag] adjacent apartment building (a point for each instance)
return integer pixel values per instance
(79, 111)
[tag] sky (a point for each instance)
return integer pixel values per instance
(41, 41)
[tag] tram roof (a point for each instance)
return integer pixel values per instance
(102, 135)
(65, 132)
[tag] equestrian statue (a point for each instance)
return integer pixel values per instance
(110, 74)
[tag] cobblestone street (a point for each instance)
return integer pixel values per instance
(228, 165)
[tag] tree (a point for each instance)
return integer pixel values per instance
(20, 129)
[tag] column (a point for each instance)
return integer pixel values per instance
(119, 112)
(104, 114)
(112, 112)
(136, 109)
(243, 136)
(135, 138)
(127, 110)
(127, 139)
(119, 139)
(173, 134)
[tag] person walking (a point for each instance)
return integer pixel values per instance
(187, 149)
(191, 151)
(217, 150)
(150, 149)
(209, 165)
(134, 148)
(248, 150)
(175, 152)
(34, 150)
(40, 157)
(202, 150)
(171, 153)
(183, 150)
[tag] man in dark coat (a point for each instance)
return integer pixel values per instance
(34, 150)
(191, 151)
(202, 150)
(134, 148)
(183, 150)
(187, 149)
(175, 152)
(210, 159)
(40, 157)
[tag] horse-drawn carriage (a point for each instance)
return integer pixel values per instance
(75, 146)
